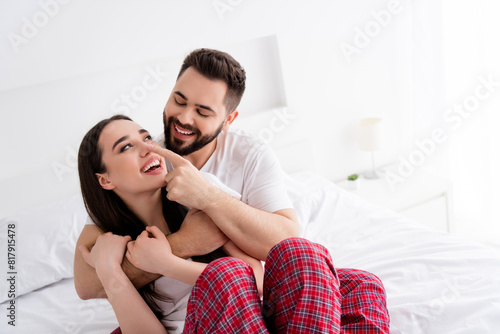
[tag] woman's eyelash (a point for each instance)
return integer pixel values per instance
(125, 147)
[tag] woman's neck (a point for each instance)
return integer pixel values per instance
(148, 208)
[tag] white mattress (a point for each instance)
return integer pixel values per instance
(435, 282)
(57, 309)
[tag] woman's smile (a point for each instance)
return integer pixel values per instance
(153, 166)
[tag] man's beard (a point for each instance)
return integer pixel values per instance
(175, 145)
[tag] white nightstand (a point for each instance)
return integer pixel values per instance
(423, 197)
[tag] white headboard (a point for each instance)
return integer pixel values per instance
(43, 124)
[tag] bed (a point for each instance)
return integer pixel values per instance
(436, 282)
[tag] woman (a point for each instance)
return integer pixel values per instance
(123, 186)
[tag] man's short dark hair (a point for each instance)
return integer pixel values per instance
(218, 65)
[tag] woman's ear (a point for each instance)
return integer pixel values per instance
(230, 119)
(104, 181)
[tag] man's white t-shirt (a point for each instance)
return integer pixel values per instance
(247, 165)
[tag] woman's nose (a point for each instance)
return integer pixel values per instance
(145, 149)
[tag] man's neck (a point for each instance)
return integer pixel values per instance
(200, 157)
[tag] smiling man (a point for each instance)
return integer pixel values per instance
(184, 137)
(197, 117)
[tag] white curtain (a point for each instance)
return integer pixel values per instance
(457, 88)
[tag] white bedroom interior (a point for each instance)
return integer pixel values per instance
(430, 69)
(408, 62)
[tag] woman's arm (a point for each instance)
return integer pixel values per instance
(132, 312)
(233, 250)
(151, 252)
(87, 284)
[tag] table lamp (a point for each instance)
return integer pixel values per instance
(369, 137)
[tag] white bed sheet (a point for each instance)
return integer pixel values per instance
(435, 282)
(56, 309)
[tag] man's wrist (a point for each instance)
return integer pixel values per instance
(214, 199)
(138, 277)
(179, 248)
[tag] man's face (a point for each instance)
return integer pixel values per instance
(195, 113)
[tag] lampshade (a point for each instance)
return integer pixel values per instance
(369, 134)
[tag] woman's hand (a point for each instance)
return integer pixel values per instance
(151, 251)
(107, 254)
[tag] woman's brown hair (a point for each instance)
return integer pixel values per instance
(108, 211)
(105, 208)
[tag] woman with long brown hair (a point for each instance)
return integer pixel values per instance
(123, 187)
(122, 175)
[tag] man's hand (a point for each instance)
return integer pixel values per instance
(185, 183)
(198, 235)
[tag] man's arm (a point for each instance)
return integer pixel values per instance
(198, 236)
(253, 230)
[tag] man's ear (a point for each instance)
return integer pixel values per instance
(230, 119)
(104, 181)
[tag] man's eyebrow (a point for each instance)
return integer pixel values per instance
(181, 95)
(141, 131)
(198, 105)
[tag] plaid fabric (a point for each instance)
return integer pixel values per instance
(364, 308)
(117, 331)
(225, 300)
(302, 294)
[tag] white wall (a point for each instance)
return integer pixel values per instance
(326, 90)
(472, 52)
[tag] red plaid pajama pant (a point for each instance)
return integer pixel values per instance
(302, 294)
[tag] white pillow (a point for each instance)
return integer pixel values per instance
(45, 240)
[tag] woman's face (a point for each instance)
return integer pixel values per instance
(131, 167)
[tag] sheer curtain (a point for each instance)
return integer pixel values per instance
(457, 75)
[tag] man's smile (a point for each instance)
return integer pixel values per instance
(182, 133)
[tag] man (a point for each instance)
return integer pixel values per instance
(197, 117)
